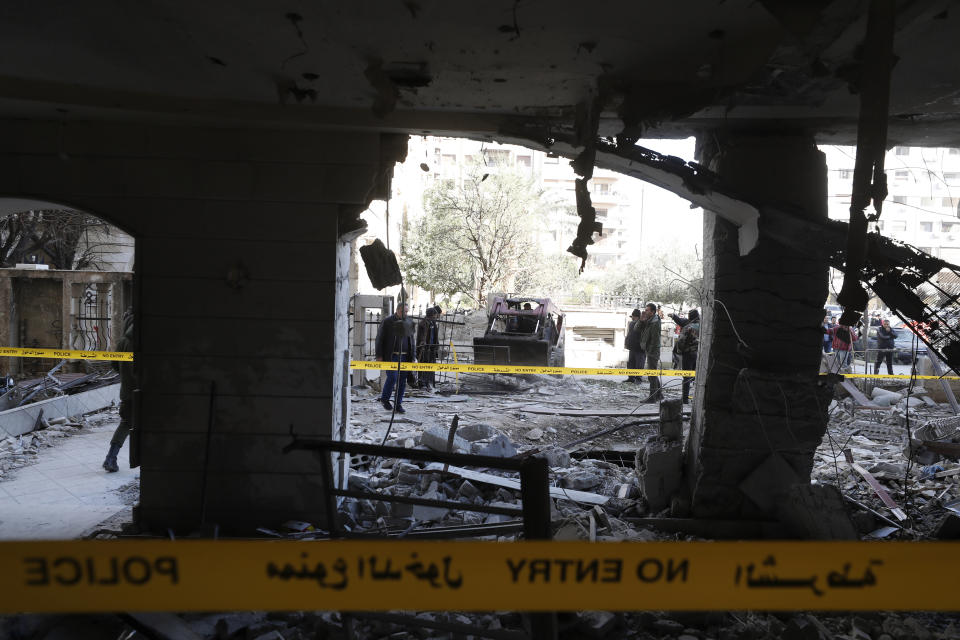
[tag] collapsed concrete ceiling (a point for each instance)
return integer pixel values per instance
(439, 66)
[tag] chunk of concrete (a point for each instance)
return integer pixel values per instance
(555, 456)
(580, 480)
(659, 472)
(436, 438)
(671, 420)
(499, 447)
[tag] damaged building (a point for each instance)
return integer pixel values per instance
(238, 145)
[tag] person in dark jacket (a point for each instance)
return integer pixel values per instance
(828, 323)
(428, 337)
(688, 344)
(681, 322)
(395, 344)
(650, 343)
(636, 359)
(126, 395)
(886, 345)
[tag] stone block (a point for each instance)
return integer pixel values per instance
(580, 480)
(671, 420)
(659, 472)
(499, 447)
(436, 438)
(555, 456)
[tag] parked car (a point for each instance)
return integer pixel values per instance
(905, 343)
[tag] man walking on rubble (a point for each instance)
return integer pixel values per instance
(126, 395)
(687, 345)
(428, 338)
(886, 344)
(636, 359)
(650, 343)
(395, 344)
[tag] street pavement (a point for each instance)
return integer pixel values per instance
(67, 492)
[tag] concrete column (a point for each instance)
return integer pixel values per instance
(7, 323)
(760, 410)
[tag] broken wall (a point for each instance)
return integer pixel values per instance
(237, 270)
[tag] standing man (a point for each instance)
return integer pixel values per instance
(126, 395)
(688, 344)
(428, 338)
(650, 343)
(843, 339)
(636, 358)
(886, 344)
(681, 322)
(828, 323)
(395, 344)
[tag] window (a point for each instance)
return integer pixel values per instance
(449, 160)
(601, 214)
(846, 174)
(951, 177)
(497, 157)
(900, 199)
(903, 151)
(948, 227)
(901, 175)
(929, 202)
(524, 161)
(898, 225)
(926, 227)
(951, 203)
(927, 250)
(603, 187)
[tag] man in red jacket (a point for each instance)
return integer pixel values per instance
(843, 339)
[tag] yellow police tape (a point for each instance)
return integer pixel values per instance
(160, 575)
(127, 356)
(67, 354)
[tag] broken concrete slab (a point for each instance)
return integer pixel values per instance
(15, 422)
(580, 480)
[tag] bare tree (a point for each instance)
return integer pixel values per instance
(63, 238)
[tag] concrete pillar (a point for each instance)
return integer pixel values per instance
(240, 284)
(760, 410)
(7, 324)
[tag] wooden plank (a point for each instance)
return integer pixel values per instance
(509, 483)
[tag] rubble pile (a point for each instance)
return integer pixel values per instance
(20, 451)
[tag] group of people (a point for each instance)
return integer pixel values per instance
(398, 341)
(643, 344)
(841, 339)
